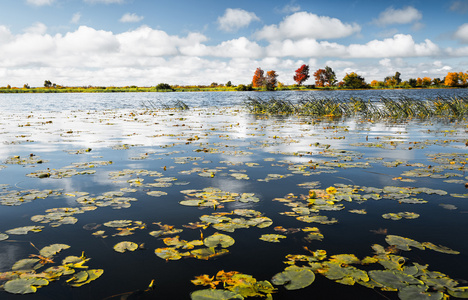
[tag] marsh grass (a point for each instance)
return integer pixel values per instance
(386, 108)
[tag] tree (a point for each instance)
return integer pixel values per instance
(354, 81)
(163, 86)
(426, 81)
(26, 86)
(451, 79)
(228, 84)
(271, 80)
(330, 76)
(47, 84)
(436, 81)
(258, 79)
(320, 77)
(412, 82)
(302, 74)
(397, 78)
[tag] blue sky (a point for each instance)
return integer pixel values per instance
(146, 42)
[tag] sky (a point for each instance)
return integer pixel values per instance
(187, 42)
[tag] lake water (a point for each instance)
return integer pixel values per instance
(73, 163)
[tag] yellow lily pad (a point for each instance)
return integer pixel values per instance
(124, 246)
(294, 277)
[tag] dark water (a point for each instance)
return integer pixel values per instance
(54, 127)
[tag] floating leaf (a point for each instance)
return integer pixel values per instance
(272, 238)
(207, 253)
(124, 246)
(393, 278)
(418, 292)
(157, 193)
(118, 223)
(219, 239)
(3, 236)
(24, 286)
(210, 294)
(459, 292)
(294, 278)
(51, 250)
(26, 264)
(25, 230)
(439, 248)
(168, 253)
(92, 274)
(403, 243)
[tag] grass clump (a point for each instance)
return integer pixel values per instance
(385, 108)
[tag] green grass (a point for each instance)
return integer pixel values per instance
(401, 108)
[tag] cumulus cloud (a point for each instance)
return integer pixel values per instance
(40, 2)
(131, 18)
(307, 25)
(462, 33)
(405, 15)
(289, 8)
(75, 18)
(234, 19)
(37, 28)
(401, 45)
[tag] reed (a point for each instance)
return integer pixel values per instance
(385, 108)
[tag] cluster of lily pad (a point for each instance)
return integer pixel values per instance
(29, 274)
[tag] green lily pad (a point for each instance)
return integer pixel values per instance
(439, 248)
(24, 286)
(459, 292)
(294, 277)
(394, 279)
(207, 253)
(25, 230)
(272, 238)
(211, 294)
(403, 243)
(3, 236)
(92, 274)
(168, 253)
(118, 223)
(51, 250)
(219, 239)
(156, 193)
(124, 246)
(418, 292)
(26, 264)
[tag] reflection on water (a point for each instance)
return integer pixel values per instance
(115, 157)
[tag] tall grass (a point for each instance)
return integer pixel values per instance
(385, 108)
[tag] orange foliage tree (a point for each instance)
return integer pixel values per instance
(320, 77)
(258, 79)
(302, 74)
(451, 79)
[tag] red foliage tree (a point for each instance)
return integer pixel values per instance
(258, 79)
(271, 80)
(302, 74)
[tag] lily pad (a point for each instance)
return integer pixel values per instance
(24, 286)
(211, 294)
(124, 246)
(25, 230)
(168, 253)
(394, 279)
(418, 292)
(294, 277)
(92, 274)
(403, 243)
(3, 236)
(51, 250)
(272, 238)
(219, 239)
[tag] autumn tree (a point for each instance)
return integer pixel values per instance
(258, 79)
(320, 77)
(302, 74)
(354, 81)
(270, 80)
(426, 81)
(436, 81)
(451, 79)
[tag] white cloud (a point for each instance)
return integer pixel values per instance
(131, 18)
(462, 33)
(307, 25)
(104, 1)
(290, 8)
(37, 28)
(234, 19)
(400, 45)
(40, 2)
(405, 15)
(76, 18)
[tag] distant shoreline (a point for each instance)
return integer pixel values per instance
(182, 89)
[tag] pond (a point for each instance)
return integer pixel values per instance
(318, 208)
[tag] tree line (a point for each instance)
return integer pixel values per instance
(326, 78)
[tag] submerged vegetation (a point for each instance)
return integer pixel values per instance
(386, 108)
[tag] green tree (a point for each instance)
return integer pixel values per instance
(330, 76)
(354, 81)
(163, 86)
(47, 84)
